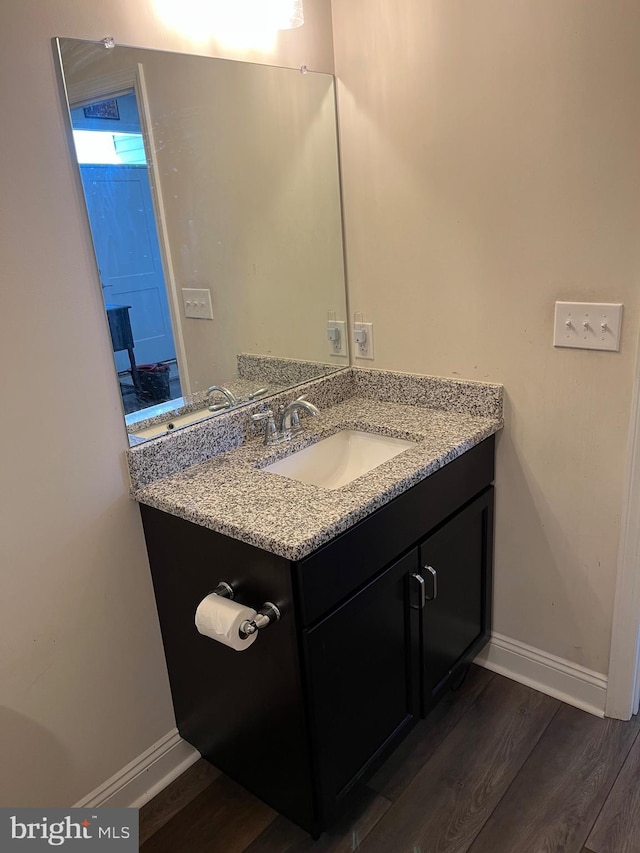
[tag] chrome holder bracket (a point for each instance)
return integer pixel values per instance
(224, 590)
(267, 615)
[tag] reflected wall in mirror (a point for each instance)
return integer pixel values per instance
(212, 190)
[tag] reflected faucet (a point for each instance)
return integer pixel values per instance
(220, 389)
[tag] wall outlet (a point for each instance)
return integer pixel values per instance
(363, 340)
(588, 325)
(197, 303)
(337, 335)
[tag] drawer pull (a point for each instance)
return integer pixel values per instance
(422, 597)
(432, 574)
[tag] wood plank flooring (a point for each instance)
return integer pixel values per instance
(496, 768)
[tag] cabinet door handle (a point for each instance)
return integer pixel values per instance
(422, 597)
(434, 582)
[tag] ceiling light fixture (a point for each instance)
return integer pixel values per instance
(237, 23)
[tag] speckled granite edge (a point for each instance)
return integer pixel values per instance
(283, 371)
(233, 495)
(482, 399)
(151, 460)
(154, 459)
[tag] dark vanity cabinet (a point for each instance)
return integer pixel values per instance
(362, 664)
(455, 562)
(375, 626)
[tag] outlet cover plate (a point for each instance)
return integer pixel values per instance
(341, 326)
(364, 350)
(588, 325)
(197, 303)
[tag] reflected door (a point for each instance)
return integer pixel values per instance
(122, 218)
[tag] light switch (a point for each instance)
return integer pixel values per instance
(197, 303)
(588, 325)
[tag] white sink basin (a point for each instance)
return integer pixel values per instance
(339, 459)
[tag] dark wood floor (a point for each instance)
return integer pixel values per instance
(496, 768)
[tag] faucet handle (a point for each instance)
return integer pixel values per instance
(258, 393)
(262, 416)
(271, 435)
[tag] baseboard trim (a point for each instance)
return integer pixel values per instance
(571, 683)
(169, 757)
(145, 776)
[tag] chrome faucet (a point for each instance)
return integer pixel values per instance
(288, 422)
(290, 415)
(220, 389)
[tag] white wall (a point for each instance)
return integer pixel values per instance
(491, 166)
(83, 687)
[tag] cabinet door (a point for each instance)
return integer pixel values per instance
(456, 565)
(363, 675)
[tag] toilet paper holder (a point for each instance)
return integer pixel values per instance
(267, 615)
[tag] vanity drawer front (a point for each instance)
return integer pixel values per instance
(336, 570)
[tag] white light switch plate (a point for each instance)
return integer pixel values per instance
(588, 325)
(197, 303)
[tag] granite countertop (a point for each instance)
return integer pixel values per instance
(230, 493)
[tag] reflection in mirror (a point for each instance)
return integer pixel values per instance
(213, 197)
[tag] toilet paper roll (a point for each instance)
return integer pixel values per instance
(220, 619)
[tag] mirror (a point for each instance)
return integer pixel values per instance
(212, 191)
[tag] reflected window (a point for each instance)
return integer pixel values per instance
(102, 147)
(115, 178)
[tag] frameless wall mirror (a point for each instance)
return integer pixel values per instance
(212, 192)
